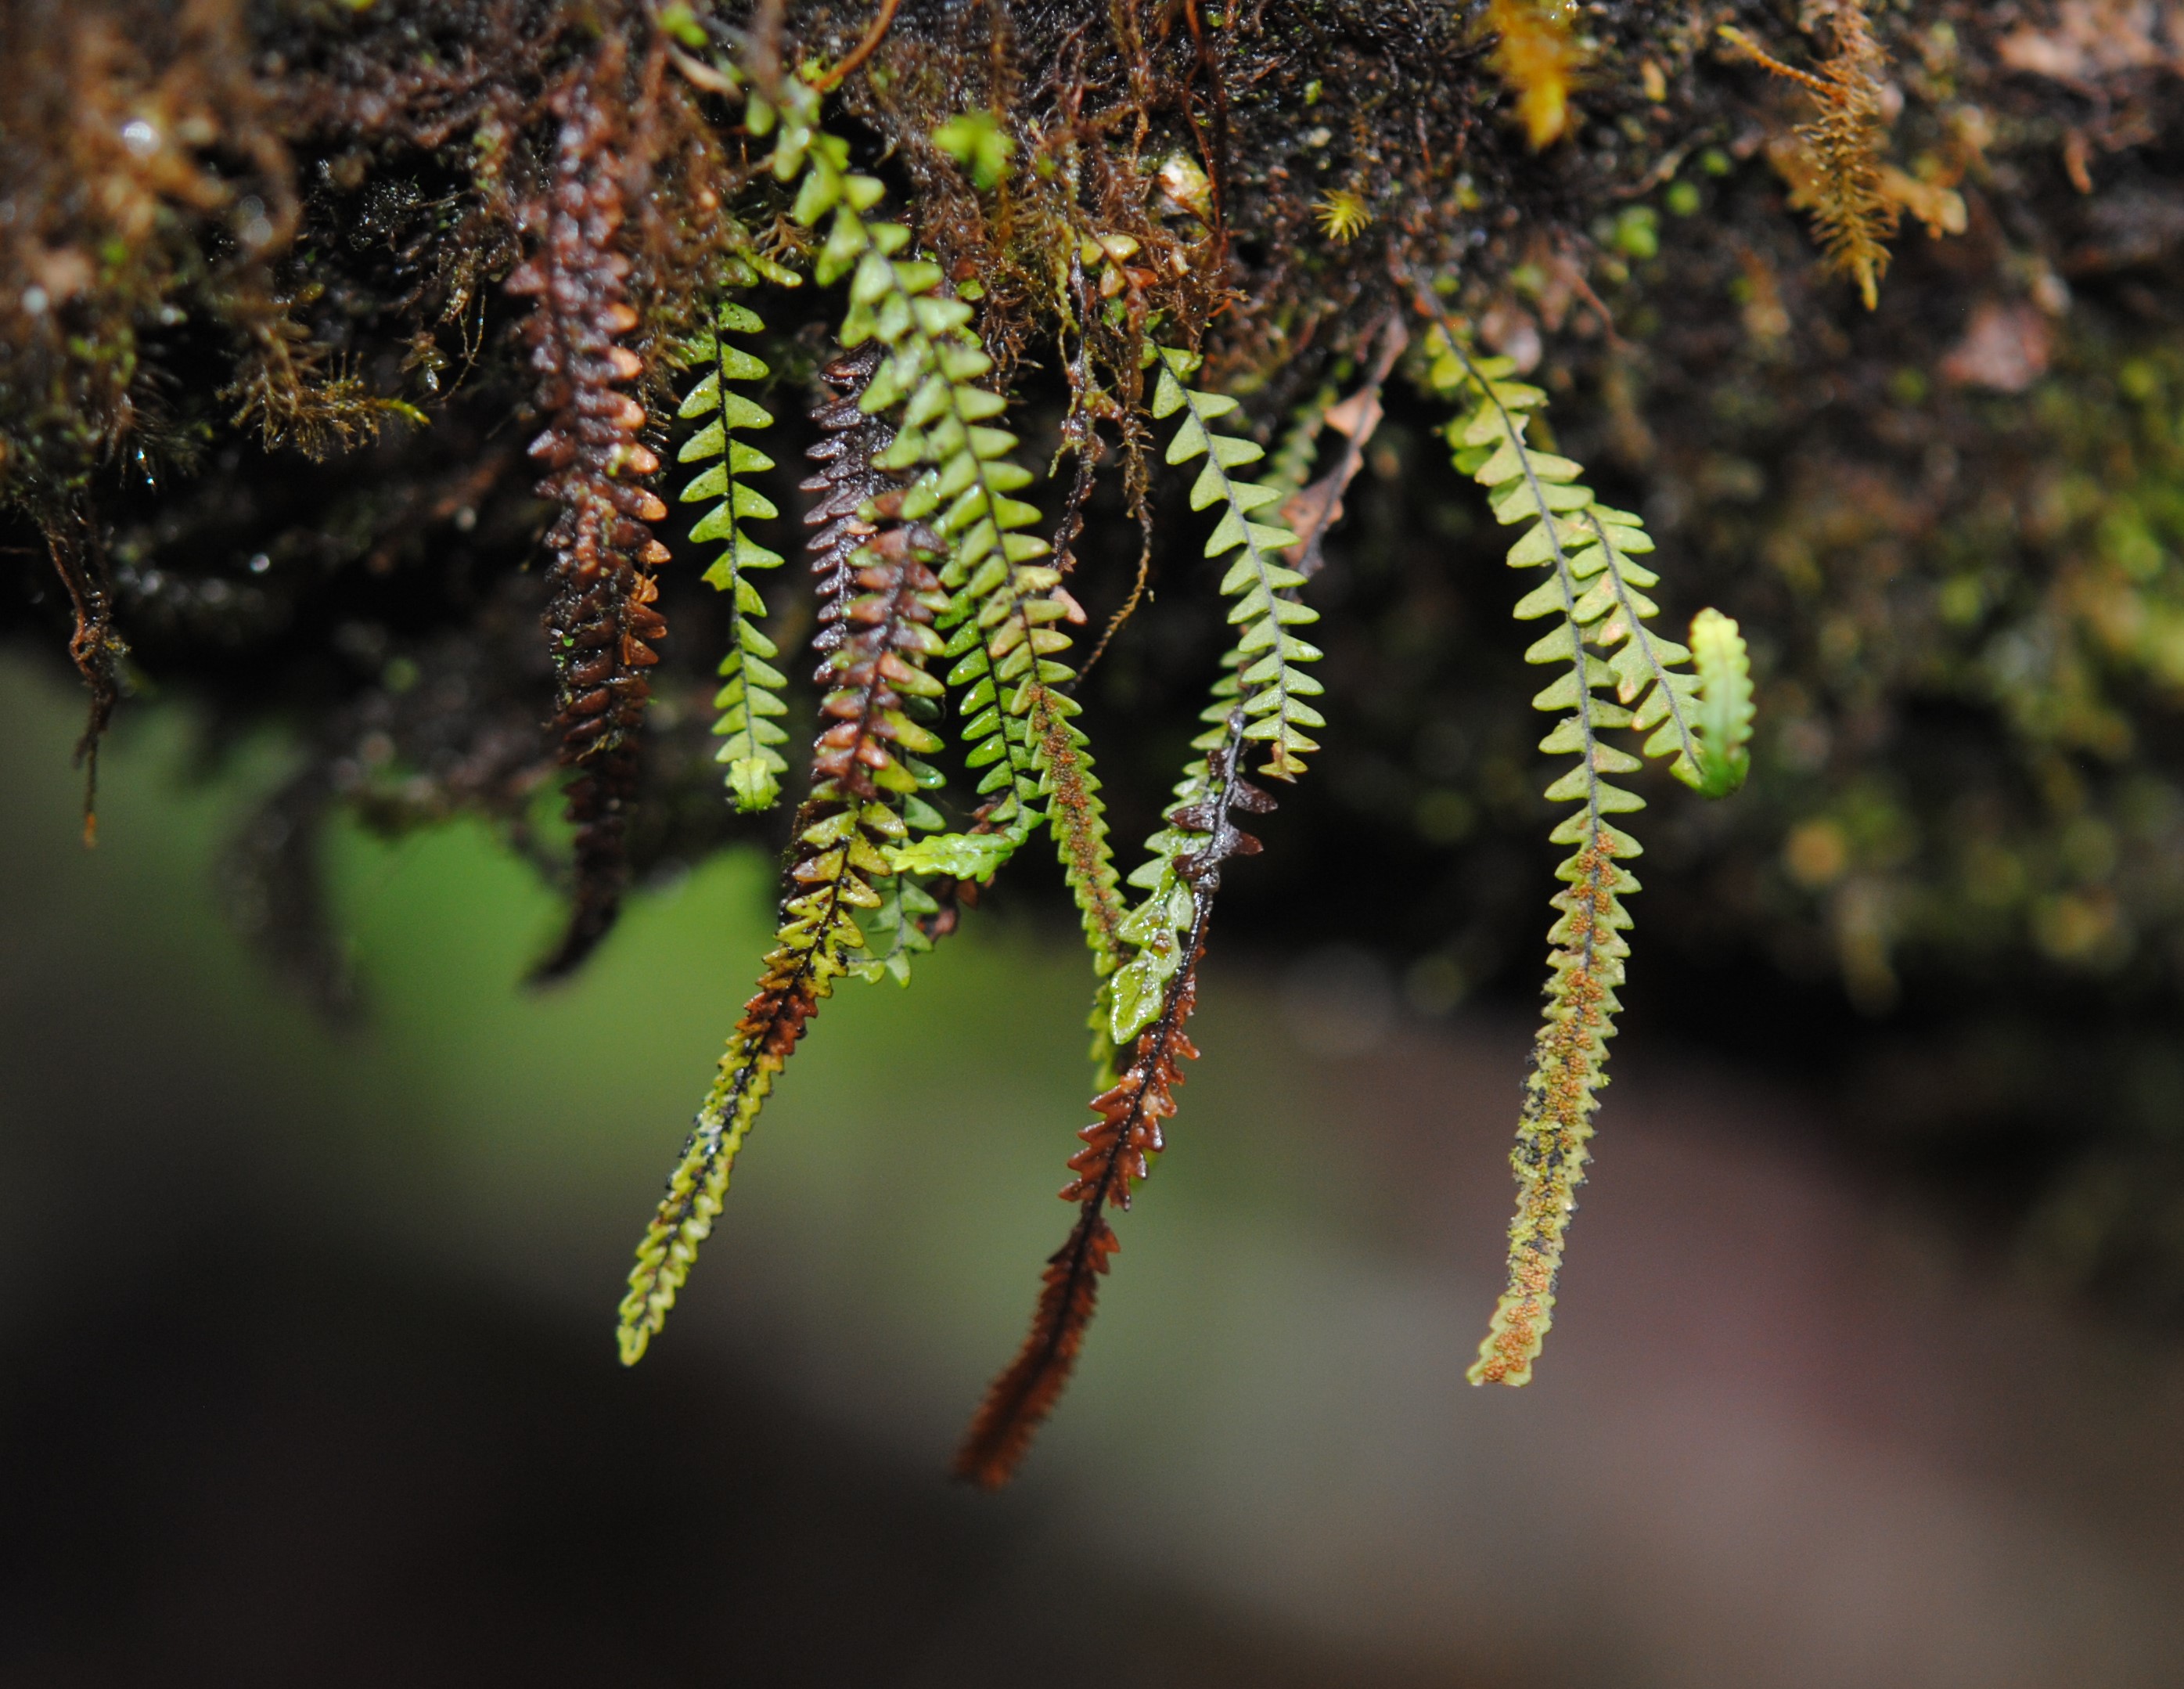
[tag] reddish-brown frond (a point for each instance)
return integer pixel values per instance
(1201, 836)
(600, 622)
(1113, 1159)
(880, 598)
(845, 482)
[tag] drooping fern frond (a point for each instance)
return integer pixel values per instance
(1004, 601)
(911, 356)
(1274, 685)
(1593, 593)
(749, 697)
(1149, 999)
(1188, 854)
(601, 619)
(886, 597)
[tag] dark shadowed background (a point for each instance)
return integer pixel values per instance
(309, 1377)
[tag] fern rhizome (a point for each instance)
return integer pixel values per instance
(729, 219)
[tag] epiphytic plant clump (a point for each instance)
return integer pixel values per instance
(414, 299)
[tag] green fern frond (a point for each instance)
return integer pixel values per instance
(1078, 818)
(749, 697)
(1274, 687)
(1005, 602)
(894, 931)
(1290, 466)
(1593, 592)
(1725, 708)
(856, 860)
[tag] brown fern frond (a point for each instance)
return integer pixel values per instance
(1836, 169)
(1312, 509)
(94, 647)
(600, 621)
(845, 482)
(1118, 1143)
(1078, 818)
(1555, 1127)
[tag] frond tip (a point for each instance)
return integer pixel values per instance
(1725, 711)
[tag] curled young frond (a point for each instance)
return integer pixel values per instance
(1274, 685)
(1592, 594)
(749, 697)
(874, 567)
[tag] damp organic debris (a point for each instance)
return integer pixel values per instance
(1154, 367)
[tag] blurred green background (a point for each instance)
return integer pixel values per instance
(309, 1373)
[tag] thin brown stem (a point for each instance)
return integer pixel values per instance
(862, 51)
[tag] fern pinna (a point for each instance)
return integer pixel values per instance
(1593, 592)
(923, 559)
